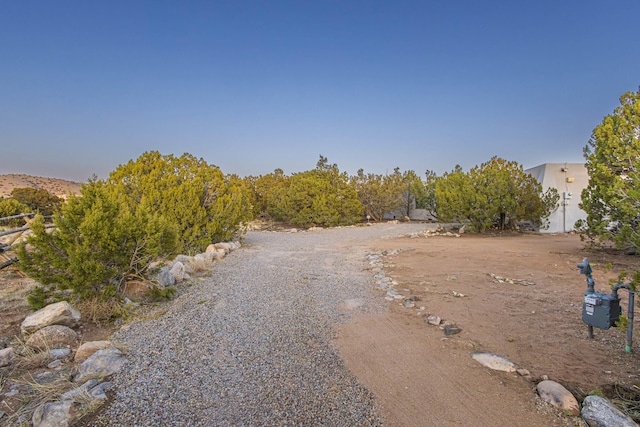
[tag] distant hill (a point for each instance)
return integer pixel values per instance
(55, 186)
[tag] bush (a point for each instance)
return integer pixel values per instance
(201, 203)
(10, 207)
(153, 207)
(39, 200)
(322, 196)
(495, 194)
(97, 244)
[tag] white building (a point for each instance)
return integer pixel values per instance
(569, 179)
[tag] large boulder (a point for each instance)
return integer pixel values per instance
(599, 412)
(558, 396)
(88, 348)
(54, 414)
(100, 364)
(60, 313)
(54, 336)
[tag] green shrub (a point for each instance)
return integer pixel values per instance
(196, 198)
(11, 207)
(98, 242)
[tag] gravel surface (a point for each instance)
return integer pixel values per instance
(250, 345)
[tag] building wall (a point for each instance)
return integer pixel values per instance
(569, 179)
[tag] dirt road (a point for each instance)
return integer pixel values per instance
(422, 377)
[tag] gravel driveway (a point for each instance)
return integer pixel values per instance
(250, 345)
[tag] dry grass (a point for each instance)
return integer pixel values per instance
(97, 310)
(28, 359)
(36, 394)
(626, 398)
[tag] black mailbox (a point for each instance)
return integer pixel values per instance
(601, 310)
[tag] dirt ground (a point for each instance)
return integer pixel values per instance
(422, 377)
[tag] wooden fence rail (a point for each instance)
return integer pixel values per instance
(7, 218)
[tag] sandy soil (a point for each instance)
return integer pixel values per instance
(422, 377)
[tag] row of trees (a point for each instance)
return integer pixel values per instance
(496, 194)
(160, 205)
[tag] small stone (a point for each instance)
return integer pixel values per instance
(6, 356)
(452, 331)
(434, 320)
(55, 364)
(59, 353)
(523, 372)
(409, 304)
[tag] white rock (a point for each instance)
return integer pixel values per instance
(493, 361)
(434, 320)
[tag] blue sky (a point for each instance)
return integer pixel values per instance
(252, 86)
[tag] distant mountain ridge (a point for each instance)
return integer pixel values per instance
(55, 186)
